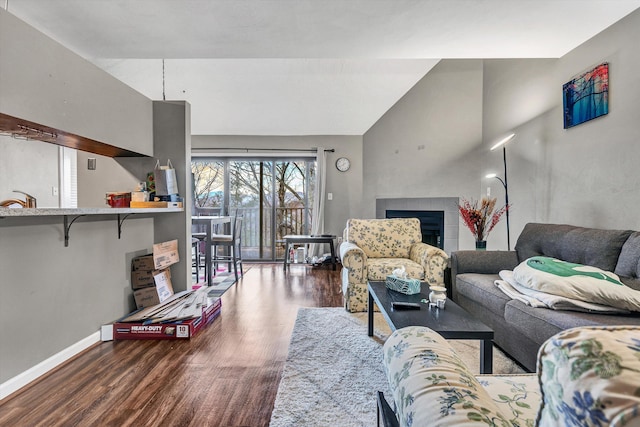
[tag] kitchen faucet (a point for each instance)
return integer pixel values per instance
(30, 201)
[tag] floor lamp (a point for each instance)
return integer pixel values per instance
(504, 182)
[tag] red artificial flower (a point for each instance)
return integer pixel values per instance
(481, 219)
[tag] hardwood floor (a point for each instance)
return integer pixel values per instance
(227, 375)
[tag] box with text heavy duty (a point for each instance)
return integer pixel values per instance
(167, 331)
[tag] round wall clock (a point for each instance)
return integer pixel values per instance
(343, 164)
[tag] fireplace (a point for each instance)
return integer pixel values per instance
(431, 224)
(448, 205)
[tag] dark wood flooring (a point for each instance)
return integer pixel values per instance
(227, 375)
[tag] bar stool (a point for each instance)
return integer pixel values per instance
(231, 242)
(197, 240)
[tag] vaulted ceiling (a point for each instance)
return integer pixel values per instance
(304, 67)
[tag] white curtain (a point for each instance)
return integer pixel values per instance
(317, 222)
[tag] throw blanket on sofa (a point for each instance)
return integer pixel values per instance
(511, 288)
(576, 282)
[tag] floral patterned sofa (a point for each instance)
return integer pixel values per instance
(587, 376)
(373, 248)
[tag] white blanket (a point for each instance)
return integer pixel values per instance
(533, 298)
(575, 282)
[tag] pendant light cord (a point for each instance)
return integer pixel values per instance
(163, 95)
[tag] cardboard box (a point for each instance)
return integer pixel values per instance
(144, 268)
(165, 254)
(142, 279)
(154, 295)
(143, 263)
(168, 331)
(145, 278)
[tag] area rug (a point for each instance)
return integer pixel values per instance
(332, 372)
(222, 282)
(333, 369)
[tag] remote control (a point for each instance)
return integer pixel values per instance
(397, 305)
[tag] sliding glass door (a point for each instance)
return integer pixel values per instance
(274, 196)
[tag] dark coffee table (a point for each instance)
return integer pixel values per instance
(452, 322)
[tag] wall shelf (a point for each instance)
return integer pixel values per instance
(9, 217)
(24, 129)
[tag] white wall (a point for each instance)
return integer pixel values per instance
(345, 186)
(29, 166)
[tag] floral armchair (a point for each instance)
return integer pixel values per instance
(587, 376)
(373, 248)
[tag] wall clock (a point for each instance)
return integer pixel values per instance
(343, 164)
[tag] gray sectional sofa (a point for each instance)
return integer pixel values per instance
(520, 330)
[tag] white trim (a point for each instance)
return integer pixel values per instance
(68, 179)
(16, 383)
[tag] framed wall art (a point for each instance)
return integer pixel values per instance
(586, 96)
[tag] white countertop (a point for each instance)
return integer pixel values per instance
(21, 212)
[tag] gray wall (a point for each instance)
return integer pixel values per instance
(586, 175)
(345, 186)
(52, 296)
(428, 143)
(46, 83)
(172, 140)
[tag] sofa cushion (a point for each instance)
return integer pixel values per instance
(481, 289)
(380, 268)
(590, 376)
(384, 238)
(589, 246)
(633, 283)
(629, 259)
(539, 324)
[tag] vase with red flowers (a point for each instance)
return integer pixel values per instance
(481, 217)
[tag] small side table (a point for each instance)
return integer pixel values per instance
(305, 239)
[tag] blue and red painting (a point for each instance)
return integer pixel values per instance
(586, 96)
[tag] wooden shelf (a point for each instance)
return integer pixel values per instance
(21, 128)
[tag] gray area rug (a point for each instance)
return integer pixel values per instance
(220, 283)
(334, 370)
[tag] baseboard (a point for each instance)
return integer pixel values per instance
(16, 383)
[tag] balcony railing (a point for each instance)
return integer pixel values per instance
(287, 221)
